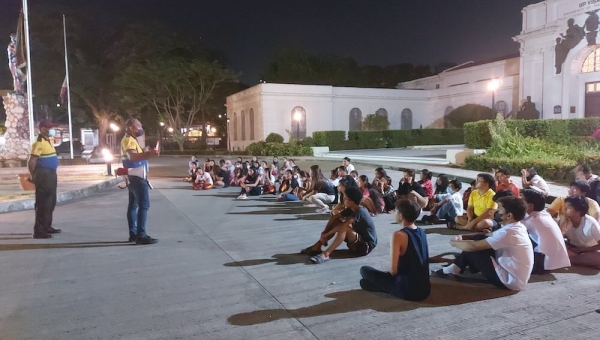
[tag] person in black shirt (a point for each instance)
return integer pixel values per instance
(221, 177)
(353, 226)
(287, 187)
(412, 190)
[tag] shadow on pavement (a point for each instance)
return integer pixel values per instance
(6, 247)
(287, 259)
(313, 217)
(444, 258)
(444, 231)
(270, 210)
(578, 270)
(356, 300)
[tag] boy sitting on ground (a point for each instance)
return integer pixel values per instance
(481, 206)
(449, 206)
(203, 180)
(353, 226)
(504, 257)
(582, 232)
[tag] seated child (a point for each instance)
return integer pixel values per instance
(582, 232)
(251, 185)
(287, 188)
(408, 277)
(203, 180)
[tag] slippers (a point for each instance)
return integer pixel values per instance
(451, 225)
(319, 259)
(310, 252)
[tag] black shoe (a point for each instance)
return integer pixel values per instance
(53, 231)
(146, 240)
(132, 238)
(40, 236)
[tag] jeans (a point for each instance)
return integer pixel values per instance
(447, 212)
(45, 199)
(139, 203)
(289, 197)
(321, 200)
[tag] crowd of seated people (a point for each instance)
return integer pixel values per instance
(513, 234)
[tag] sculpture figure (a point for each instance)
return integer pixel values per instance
(528, 110)
(591, 25)
(568, 41)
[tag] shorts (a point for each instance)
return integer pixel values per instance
(360, 247)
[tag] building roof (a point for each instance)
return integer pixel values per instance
(488, 61)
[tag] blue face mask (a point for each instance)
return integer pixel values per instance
(449, 190)
(140, 133)
(51, 132)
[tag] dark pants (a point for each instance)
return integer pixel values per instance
(45, 199)
(480, 261)
(139, 203)
(253, 191)
(374, 280)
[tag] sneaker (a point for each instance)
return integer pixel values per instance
(132, 238)
(243, 197)
(324, 211)
(146, 240)
(41, 236)
(53, 231)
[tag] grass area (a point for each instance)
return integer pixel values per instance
(12, 196)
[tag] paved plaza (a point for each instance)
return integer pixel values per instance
(227, 269)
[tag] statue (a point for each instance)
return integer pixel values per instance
(567, 42)
(528, 110)
(591, 25)
(13, 65)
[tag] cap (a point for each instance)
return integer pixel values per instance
(46, 123)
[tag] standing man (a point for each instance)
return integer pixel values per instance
(136, 162)
(42, 166)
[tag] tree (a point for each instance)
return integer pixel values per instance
(468, 113)
(175, 88)
(375, 122)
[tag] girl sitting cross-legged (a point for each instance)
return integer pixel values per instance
(251, 185)
(203, 180)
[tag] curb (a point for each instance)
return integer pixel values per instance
(67, 196)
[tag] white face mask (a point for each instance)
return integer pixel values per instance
(51, 132)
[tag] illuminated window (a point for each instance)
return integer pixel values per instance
(592, 62)
(592, 87)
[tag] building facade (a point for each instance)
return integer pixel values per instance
(558, 67)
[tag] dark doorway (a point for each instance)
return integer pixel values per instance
(592, 99)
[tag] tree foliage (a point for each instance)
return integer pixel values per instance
(468, 113)
(177, 89)
(375, 122)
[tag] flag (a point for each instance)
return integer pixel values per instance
(63, 92)
(21, 43)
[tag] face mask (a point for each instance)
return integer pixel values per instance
(449, 190)
(140, 132)
(51, 132)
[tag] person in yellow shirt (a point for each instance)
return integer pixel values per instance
(135, 160)
(42, 166)
(481, 206)
(578, 188)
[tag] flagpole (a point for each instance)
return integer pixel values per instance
(68, 87)
(29, 73)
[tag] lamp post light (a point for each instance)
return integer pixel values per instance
(108, 157)
(298, 118)
(228, 138)
(493, 86)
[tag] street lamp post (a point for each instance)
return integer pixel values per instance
(493, 87)
(298, 118)
(228, 138)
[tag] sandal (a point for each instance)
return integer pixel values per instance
(319, 259)
(451, 225)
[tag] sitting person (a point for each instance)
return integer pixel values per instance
(250, 186)
(411, 189)
(191, 177)
(287, 188)
(354, 175)
(193, 162)
(578, 188)
(531, 180)
(441, 188)
(408, 277)
(388, 194)
(549, 248)
(203, 180)
(353, 226)
(221, 177)
(371, 200)
(449, 206)
(427, 186)
(342, 186)
(503, 181)
(504, 257)
(324, 193)
(583, 234)
(304, 185)
(380, 174)
(468, 192)
(481, 206)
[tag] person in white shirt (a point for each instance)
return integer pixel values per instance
(584, 172)
(346, 163)
(449, 206)
(531, 180)
(505, 257)
(550, 252)
(203, 180)
(582, 232)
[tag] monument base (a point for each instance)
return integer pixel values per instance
(17, 146)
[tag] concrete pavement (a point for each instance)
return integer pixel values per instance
(227, 269)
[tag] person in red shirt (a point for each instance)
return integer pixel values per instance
(426, 183)
(503, 182)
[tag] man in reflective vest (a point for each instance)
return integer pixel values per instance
(135, 160)
(42, 166)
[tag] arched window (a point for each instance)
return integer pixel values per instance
(355, 119)
(501, 107)
(251, 124)
(557, 109)
(592, 62)
(406, 119)
(235, 126)
(382, 112)
(447, 111)
(243, 125)
(298, 123)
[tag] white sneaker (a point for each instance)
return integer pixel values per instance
(243, 197)
(324, 211)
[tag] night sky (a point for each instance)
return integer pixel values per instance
(377, 32)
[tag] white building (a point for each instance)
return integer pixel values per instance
(558, 66)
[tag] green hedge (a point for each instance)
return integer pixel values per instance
(333, 139)
(278, 149)
(388, 138)
(477, 134)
